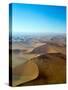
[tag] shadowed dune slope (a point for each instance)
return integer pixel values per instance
(40, 50)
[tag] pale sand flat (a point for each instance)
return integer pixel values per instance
(24, 73)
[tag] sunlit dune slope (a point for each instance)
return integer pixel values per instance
(24, 73)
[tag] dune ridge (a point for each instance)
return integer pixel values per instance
(51, 69)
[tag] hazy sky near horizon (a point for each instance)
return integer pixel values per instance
(29, 18)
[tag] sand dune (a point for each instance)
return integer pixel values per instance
(40, 50)
(49, 48)
(52, 69)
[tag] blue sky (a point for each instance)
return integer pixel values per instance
(29, 18)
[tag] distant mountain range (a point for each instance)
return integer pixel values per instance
(27, 37)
